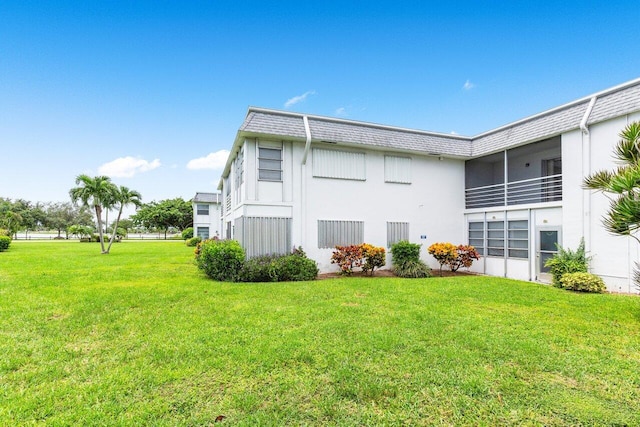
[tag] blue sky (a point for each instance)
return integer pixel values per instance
(152, 93)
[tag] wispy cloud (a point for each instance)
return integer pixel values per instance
(468, 85)
(126, 167)
(342, 111)
(299, 98)
(214, 161)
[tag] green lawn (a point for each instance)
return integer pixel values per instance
(141, 337)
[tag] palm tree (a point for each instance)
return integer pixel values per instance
(123, 197)
(97, 192)
(623, 217)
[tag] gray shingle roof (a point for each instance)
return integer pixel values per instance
(291, 125)
(613, 102)
(208, 197)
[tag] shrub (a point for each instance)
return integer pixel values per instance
(567, 261)
(187, 233)
(193, 241)
(5, 232)
(279, 268)
(582, 282)
(5, 241)
(347, 258)
(372, 257)
(259, 269)
(444, 253)
(290, 268)
(466, 255)
(404, 251)
(220, 259)
(412, 268)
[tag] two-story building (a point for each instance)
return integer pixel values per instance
(513, 192)
(207, 215)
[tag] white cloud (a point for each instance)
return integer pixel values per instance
(341, 111)
(453, 132)
(299, 98)
(215, 160)
(126, 167)
(468, 85)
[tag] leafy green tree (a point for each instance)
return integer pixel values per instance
(99, 193)
(165, 214)
(126, 224)
(123, 197)
(622, 187)
(60, 216)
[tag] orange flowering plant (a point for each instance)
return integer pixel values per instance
(453, 256)
(374, 257)
(366, 256)
(347, 258)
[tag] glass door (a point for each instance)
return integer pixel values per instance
(548, 241)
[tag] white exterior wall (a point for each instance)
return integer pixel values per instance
(613, 256)
(432, 204)
(212, 220)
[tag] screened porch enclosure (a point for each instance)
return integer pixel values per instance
(523, 175)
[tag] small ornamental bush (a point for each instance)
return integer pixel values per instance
(259, 269)
(193, 241)
(444, 253)
(466, 255)
(404, 251)
(373, 257)
(453, 256)
(293, 268)
(567, 261)
(187, 233)
(5, 241)
(582, 282)
(413, 269)
(347, 258)
(366, 256)
(220, 259)
(405, 257)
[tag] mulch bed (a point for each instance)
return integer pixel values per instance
(389, 273)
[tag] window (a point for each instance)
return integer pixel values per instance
(397, 169)
(518, 239)
(476, 236)
(202, 209)
(239, 179)
(202, 232)
(340, 233)
(397, 231)
(338, 164)
(269, 164)
(495, 238)
(263, 235)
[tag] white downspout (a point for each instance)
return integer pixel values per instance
(586, 170)
(307, 145)
(303, 183)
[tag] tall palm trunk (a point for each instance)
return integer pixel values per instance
(115, 228)
(99, 216)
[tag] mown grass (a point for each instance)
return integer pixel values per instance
(141, 337)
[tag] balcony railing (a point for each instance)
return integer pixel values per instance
(535, 190)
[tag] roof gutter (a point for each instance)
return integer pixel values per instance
(307, 145)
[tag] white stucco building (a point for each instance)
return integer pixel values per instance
(207, 215)
(513, 192)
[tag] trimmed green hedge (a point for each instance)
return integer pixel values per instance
(5, 241)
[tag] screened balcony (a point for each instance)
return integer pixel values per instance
(523, 175)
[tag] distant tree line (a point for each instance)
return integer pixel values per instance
(87, 214)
